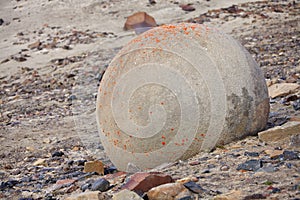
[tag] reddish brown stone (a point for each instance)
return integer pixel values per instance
(140, 22)
(187, 7)
(142, 182)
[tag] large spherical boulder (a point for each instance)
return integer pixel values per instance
(176, 90)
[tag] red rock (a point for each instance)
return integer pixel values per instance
(187, 7)
(140, 22)
(142, 182)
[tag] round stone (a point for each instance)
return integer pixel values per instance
(176, 90)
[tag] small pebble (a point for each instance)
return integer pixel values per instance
(58, 154)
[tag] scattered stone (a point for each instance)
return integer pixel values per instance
(18, 58)
(291, 155)
(152, 2)
(94, 166)
(194, 187)
(250, 165)
(291, 97)
(255, 196)
(58, 154)
(296, 105)
(46, 140)
(142, 181)
(35, 45)
(30, 149)
(126, 195)
(93, 195)
(1, 21)
(64, 182)
(187, 7)
(85, 186)
(100, 185)
(282, 89)
(269, 168)
(39, 162)
(224, 168)
(168, 191)
(295, 141)
(274, 153)
(251, 154)
(140, 22)
(232, 195)
(196, 162)
(280, 132)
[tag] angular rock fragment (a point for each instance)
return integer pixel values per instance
(280, 132)
(94, 166)
(250, 165)
(142, 182)
(194, 187)
(291, 155)
(100, 185)
(140, 22)
(282, 89)
(168, 191)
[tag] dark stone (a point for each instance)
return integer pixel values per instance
(276, 190)
(194, 187)
(85, 186)
(26, 199)
(100, 185)
(8, 184)
(186, 198)
(288, 165)
(1, 21)
(250, 165)
(80, 162)
(290, 155)
(205, 171)
(152, 2)
(251, 154)
(210, 166)
(254, 196)
(110, 170)
(72, 97)
(58, 154)
(296, 104)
